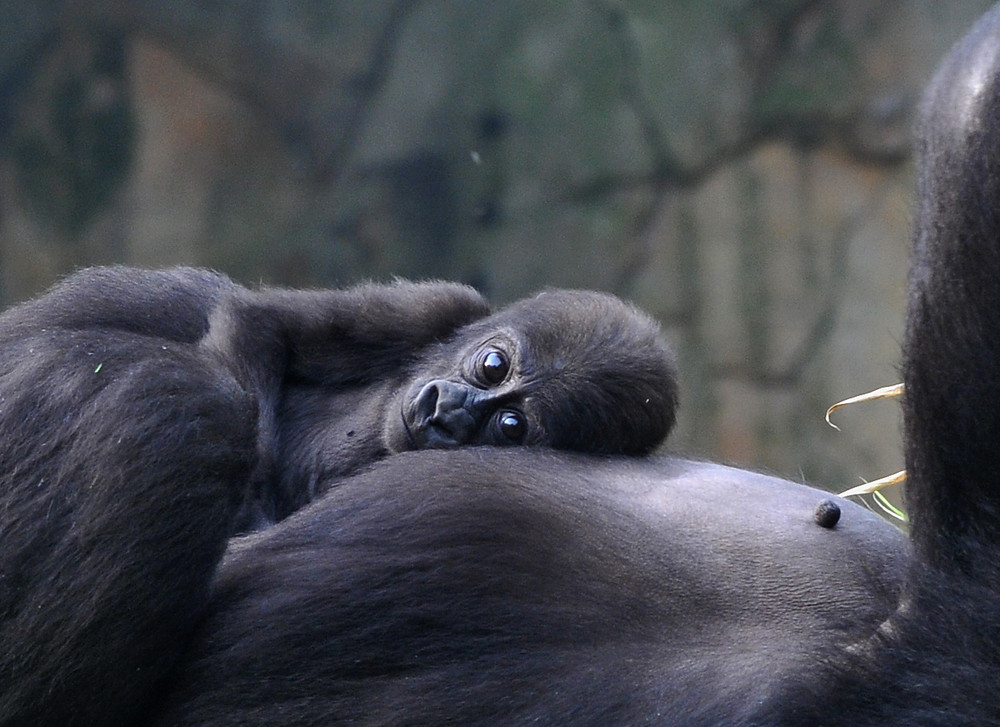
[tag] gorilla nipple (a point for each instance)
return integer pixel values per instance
(827, 514)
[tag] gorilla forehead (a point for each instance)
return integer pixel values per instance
(574, 336)
(581, 322)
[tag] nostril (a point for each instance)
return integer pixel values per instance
(426, 403)
(442, 414)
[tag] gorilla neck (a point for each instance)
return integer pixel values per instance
(322, 438)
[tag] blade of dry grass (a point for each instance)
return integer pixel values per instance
(868, 488)
(885, 392)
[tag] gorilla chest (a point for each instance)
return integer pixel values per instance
(332, 435)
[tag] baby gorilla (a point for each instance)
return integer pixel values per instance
(571, 370)
(338, 379)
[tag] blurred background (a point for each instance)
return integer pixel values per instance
(739, 168)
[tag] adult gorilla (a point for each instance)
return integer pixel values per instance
(488, 586)
(480, 587)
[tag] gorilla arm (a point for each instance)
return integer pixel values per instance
(128, 444)
(122, 461)
(324, 365)
(336, 337)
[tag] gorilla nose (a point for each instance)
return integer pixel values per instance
(444, 414)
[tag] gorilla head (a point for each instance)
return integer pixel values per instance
(347, 377)
(565, 369)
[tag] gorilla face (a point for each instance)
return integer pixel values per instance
(484, 402)
(566, 369)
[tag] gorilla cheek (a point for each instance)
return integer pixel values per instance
(396, 434)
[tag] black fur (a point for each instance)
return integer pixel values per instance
(505, 587)
(123, 460)
(952, 348)
(542, 589)
(146, 416)
(486, 586)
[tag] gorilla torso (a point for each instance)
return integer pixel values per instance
(542, 588)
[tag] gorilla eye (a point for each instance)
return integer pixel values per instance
(494, 367)
(512, 425)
